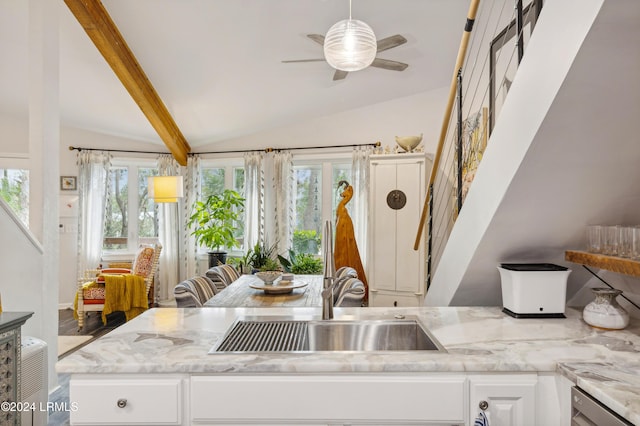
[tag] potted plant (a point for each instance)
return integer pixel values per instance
(213, 222)
(301, 263)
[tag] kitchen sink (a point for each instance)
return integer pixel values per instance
(266, 334)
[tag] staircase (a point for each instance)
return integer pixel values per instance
(563, 153)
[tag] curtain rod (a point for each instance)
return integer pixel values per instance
(375, 145)
(78, 148)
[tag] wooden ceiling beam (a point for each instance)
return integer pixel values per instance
(101, 29)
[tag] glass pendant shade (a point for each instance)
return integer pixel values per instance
(350, 45)
(165, 189)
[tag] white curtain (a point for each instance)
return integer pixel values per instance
(284, 206)
(192, 193)
(93, 183)
(360, 201)
(254, 199)
(168, 235)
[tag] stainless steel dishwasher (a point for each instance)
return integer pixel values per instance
(587, 411)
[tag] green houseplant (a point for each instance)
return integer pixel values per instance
(301, 263)
(213, 222)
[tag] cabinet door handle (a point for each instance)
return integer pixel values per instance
(483, 405)
(122, 402)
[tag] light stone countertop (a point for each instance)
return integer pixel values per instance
(605, 364)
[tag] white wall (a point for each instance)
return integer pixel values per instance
(410, 115)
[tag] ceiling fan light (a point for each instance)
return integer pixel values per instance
(350, 45)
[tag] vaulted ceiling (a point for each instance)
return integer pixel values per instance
(217, 66)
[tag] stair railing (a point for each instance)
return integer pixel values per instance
(476, 94)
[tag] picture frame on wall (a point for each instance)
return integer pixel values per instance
(68, 183)
(505, 53)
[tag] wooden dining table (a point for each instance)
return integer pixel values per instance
(240, 294)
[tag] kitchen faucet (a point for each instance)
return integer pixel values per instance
(328, 281)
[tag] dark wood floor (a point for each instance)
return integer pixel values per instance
(68, 326)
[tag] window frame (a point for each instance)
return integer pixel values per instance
(229, 164)
(327, 163)
(133, 208)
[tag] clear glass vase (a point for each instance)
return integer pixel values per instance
(605, 312)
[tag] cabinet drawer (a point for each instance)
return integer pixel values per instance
(394, 299)
(341, 399)
(126, 401)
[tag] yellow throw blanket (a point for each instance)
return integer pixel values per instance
(126, 293)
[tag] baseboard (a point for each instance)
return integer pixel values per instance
(62, 306)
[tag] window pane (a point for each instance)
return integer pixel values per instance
(14, 189)
(340, 172)
(147, 209)
(308, 220)
(238, 186)
(212, 181)
(116, 226)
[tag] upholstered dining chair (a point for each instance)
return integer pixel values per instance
(346, 271)
(222, 275)
(348, 291)
(91, 292)
(194, 292)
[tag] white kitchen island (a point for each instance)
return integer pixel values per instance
(156, 370)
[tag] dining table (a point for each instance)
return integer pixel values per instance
(251, 291)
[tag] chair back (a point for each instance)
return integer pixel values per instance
(146, 262)
(348, 291)
(222, 275)
(346, 271)
(194, 292)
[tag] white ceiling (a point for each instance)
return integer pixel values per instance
(217, 63)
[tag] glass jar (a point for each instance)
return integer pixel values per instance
(605, 312)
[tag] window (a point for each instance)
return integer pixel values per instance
(216, 177)
(14, 189)
(316, 200)
(127, 198)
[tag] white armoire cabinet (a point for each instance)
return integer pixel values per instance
(396, 272)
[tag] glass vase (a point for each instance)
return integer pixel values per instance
(605, 312)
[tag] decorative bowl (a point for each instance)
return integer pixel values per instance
(408, 143)
(268, 276)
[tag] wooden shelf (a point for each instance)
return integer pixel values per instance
(609, 263)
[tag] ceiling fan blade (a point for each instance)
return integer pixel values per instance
(389, 65)
(303, 60)
(390, 42)
(317, 38)
(340, 75)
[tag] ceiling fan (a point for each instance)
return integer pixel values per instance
(383, 44)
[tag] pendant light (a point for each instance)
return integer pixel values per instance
(350, 45)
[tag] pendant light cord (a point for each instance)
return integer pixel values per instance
(349, 9)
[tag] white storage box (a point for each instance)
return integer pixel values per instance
(534, 290)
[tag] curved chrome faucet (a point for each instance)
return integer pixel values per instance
(329, 272)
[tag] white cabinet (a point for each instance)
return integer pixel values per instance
(126, 399)
(329, 399)
(396, 272)
(510, 399)
(366, 399)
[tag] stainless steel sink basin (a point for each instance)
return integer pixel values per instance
(266, 334)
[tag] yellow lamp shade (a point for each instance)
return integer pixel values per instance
(165, 189)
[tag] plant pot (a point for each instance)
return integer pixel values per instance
(217, 258)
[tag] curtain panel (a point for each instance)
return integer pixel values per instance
(284, 206)
(168, 234)
(254, 199)
(192, 191)
(360, 204)
(93, 184)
